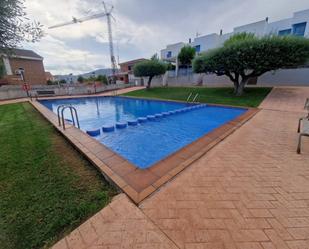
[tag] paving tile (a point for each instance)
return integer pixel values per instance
(119, 225)
(61, 245)
(257, 171)
(74, 240)
(301, 233)
(163, 167)
(122, 168)
(113, 160)
(140, 179)
(249, 245)
(276, 240)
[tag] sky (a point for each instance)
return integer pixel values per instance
(141, 27)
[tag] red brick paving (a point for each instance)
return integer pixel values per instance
(250, 191)
(119, 225)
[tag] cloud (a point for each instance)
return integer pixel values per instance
(141, 29)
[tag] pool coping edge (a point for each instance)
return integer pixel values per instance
(137, 183)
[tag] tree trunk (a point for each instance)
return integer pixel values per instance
(149, 82)
(236, 85)
(241, 86)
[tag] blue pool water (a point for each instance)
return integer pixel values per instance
(149, 142)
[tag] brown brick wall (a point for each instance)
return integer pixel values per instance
(34, 70)
(124, 67)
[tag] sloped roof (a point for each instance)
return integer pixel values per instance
(21, 53)
(25, 53)
(132, 61)
(48, 75)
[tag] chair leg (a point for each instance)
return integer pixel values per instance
(298, 130)
(299, 144)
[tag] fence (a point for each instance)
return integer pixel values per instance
(16, 91)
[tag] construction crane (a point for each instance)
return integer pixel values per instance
(108, 13)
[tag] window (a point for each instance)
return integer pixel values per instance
(299, 29)
(285, 32)
(129, 68)
(169, 54)
(198, 48)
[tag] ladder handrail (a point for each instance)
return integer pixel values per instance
(74, 116)
(195, 97)
(189, 96)
(58, 113)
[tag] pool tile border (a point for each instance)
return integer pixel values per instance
(140, 183)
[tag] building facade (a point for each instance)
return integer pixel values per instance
(23, 66)
(297, 25)
(126, 71)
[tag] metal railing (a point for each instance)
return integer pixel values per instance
(74, 116)
(194, 98)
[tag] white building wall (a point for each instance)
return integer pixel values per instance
(174, 49)
(258, 28)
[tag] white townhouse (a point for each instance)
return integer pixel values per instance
(297, 25)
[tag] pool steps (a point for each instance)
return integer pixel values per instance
(141, 120)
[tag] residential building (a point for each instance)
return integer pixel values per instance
(297, 25)
(23, 66)
(49, 76)
(126, 71)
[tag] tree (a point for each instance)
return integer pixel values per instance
(80, 79)
(155, 57)
(102, 79)
(63, 81)
(15, 26)
(170, 66)
(244, 57)
(2, 69)
(149, 68)
(186, 55)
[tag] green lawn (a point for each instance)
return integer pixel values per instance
(46, 187)
(251, 98)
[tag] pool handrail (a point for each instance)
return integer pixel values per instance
(73, 112)
(189, 97)
(195, 98)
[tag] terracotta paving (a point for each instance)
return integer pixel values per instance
(119, 225)
(250, 191)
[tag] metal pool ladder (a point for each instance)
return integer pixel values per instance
(74, 116)
(193, 97)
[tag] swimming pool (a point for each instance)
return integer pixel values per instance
(156, 136)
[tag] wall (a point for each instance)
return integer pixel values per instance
(34, 70)
(286, 77)
(14, 91)
(174, 48)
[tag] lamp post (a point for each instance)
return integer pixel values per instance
(21, 72)
(94, 83)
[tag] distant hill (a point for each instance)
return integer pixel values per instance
(106, 71)
(67, 77)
